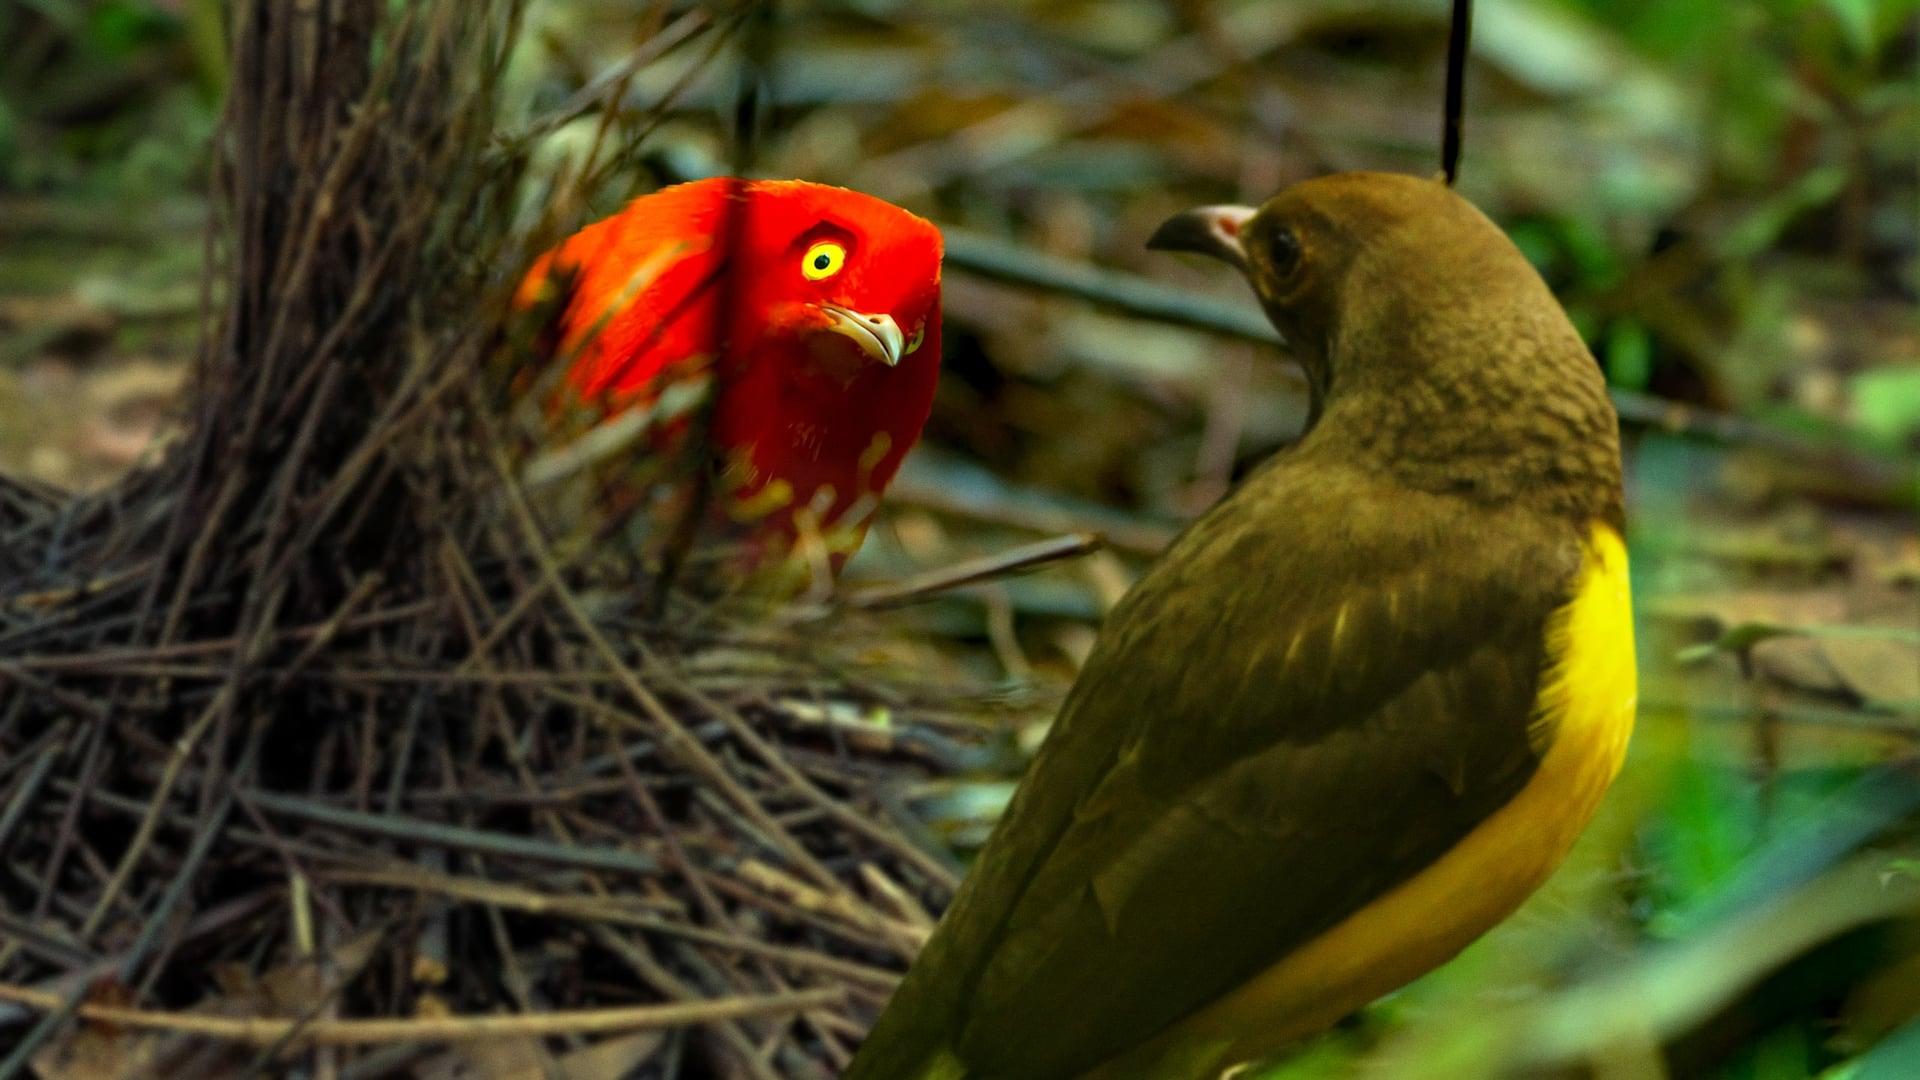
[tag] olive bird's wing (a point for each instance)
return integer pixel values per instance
(1318, 693)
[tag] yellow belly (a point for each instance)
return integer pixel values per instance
(1585, 715)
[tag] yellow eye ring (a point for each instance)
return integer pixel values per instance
(823, 260)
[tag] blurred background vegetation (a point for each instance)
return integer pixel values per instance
(1725, 196)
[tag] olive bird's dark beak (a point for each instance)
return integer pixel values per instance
(1205, 230)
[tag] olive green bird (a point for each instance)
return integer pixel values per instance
(1352, 717)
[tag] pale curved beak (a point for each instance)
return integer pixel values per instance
(877, 335)
(1205, 230)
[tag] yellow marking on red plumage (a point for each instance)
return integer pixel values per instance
(776, 495)
(822, 501)
(874, 454)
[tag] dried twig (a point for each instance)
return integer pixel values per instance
(266, 1031)
(973, 571)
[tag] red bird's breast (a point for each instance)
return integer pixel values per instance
(812, 312)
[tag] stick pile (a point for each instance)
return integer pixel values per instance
(314, 730)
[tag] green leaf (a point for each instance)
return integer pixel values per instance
(119, 27)
(1736, 639)
(1886, 402)
(1762, 227)
(1629, 354)
(1867, 25)
(1897, 1057)
(1709, 822)
(1856, 19)
(1740, 638)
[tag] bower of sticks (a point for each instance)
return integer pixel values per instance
(317, 703)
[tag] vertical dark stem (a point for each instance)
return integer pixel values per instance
(756, 54)
(1457, 37)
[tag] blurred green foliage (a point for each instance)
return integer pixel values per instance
(1809, 116)
(114, 98)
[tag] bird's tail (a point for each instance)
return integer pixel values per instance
(916, 1035)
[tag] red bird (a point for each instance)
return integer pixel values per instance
(830, 339)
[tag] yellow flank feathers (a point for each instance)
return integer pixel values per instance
(1585, 715)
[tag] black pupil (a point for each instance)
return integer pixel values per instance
(1286, 250)
(821, 261)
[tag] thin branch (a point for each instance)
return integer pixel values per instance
(395, 827)
(974, 571)
(266, 1031)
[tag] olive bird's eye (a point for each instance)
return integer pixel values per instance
(823, 260)
(919, 335)
(1284, 252)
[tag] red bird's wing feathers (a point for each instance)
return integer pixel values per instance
(641, 301)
